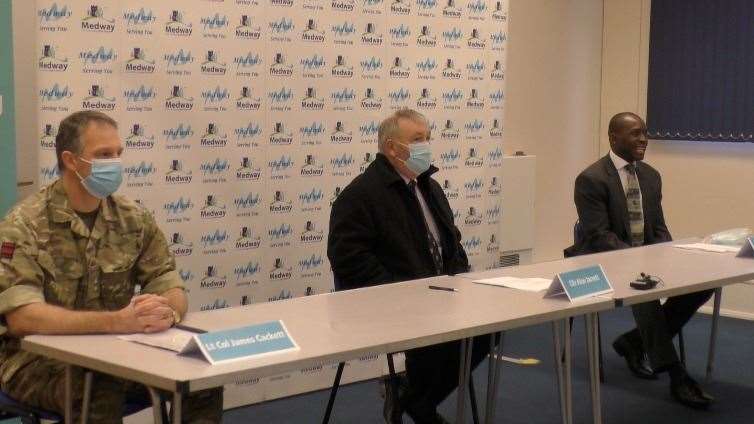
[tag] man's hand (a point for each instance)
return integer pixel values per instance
(146, 313)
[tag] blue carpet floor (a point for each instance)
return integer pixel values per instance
(528, 394)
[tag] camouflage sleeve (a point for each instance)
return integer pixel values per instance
(155, 268)
(21, 277)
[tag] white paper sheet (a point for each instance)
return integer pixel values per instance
(174, 339)
(705, 247)
(526, 284)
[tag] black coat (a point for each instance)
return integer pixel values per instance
(603, 214)
(377, 233)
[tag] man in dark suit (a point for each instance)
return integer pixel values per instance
(393, 223)
(619, 202)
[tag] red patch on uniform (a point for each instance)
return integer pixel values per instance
(7, 249)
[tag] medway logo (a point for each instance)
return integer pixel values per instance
(343, 5)
(340, 135)
(368, 159)
(496, 131)
(47, 139)
(476, 41)
(493, 245)
(212, 137)
(426, 39)
(180, 247)
(499, 14)
(49, 62)
(176, 27)
(311, 101)
(245, 31)
(335, 195)
(312, 34)
(282, 3)
(245, 272)
(246, 172)
(177, 174)
(136, 140)
(284, 294)
(279, 204)
(341, 68)
(474, 102)
(342, 100)
(497, 71)
(311, 168)
(247, 102)
(247, 240)
(448, 132)
(398, 70)
(212, 66)
(217, 304)
(311, 234)
(97, 100)
(138, 63)
(96, 21)
(211, 280)
(370, 101)
(279, 136)
(280, 272)
(178, 101)
(494, 189)
(451, 11)
(450, 71)
(426, 101)
(212, 208)
(472, 217)
(279, 68)
(370, 37)
(246, 205)
(401, 7)
(450, 192)
(473, 160)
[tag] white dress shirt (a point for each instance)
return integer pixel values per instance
(428, 218)
(620, 165)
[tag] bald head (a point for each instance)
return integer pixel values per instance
(620, 120)
(628, 136)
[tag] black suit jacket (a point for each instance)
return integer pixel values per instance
(603, 214)
(377, 230)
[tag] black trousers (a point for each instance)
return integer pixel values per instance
(432, 371)
(657, 324)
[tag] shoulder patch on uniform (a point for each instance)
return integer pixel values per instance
(7, 249)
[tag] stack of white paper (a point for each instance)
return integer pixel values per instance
(705, 247)
(527, 284)
(174, 339)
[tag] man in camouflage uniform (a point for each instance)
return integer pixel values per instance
(72, 258)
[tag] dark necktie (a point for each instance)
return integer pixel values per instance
(434, 247)
(635, 211)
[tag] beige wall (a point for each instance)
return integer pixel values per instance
(706, 186)
(553, 103)
(24, 72)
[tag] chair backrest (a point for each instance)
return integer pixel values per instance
(578, 233)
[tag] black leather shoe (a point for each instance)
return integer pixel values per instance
(690, 394)
(635, 359)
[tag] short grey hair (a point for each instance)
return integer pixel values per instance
(389, 127)
(70, 129)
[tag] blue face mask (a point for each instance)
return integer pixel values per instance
(420, 157)
(105, 178)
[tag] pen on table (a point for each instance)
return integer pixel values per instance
(451, 289)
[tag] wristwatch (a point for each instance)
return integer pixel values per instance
(176, 317)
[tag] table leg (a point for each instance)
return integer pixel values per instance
(333, 393)
(177, 410)
(567, 350)
(87, 397)
(68, 413)
(592, 332)
(559, 369)
(713, 333)
(156, 405)
(463, 378)
(493, 375)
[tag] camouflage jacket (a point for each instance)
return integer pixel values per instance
(49, 255)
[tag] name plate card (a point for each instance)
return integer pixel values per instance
(580, 283)
(245, 342)
(747, 250)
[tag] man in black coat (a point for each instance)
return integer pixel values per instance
(393, 223)
(619, 202)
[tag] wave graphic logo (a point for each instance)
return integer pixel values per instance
(139, 171)
(342, 161)
(282, 26)
(247, 61)
(181, 132)
(313, 62)
(316, 128)
(399, 95)
(452, 35)
(495, 155)
(280, 232)
(497, 96)
(277, 165)
(426, 4)
(498, 37)
(215, 238)
(179, 58)
(312, 196)
(55, 93)
(247, 202)
(493, 212)
(99, 55)
(426, 65)
(453, 95)
(186, 275)
(215, 95)
(54, 13)
(217, 166)
(474, 126)
(472, 244)
(371, 3)
(280, 96)
(139, 17)
(450, 157)
(251, 130)
(49, 173)
(369, 129)
(476, 67)
(312, 262)
(141, 94)
(343, 96)
(372, 64)
(401, 31)
(474, 185)
(244, 271)
(214, 22)
(343, 30)
(178, 206)
(477, 6)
